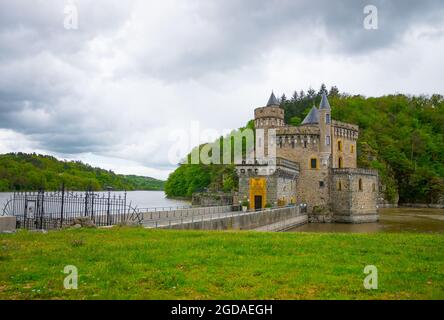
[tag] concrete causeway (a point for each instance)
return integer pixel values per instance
(219, 218)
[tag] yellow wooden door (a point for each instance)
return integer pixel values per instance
(258, 187)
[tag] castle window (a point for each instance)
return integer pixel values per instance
(339, 145)
(352, 148)
(321, 184)
(313, 163)
(360, 184)
(292, 144)
(340, 163)
(327, 118)
(327, 140)
(305, 144)
(339, 186)
(373, 187)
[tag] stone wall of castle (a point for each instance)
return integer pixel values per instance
(286, 191)
(354, 195)
(267, 117)
(344, 144)
(270, 182)
(312, 185)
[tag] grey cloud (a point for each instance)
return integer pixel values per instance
(50, 89)
(245, 30)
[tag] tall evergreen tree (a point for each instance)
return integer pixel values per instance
(334, 92)
(323, 89)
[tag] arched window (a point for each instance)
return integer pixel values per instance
(339, 186)
(339, 145)
(340, 163)
(360, 184)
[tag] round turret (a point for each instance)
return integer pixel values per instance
(270, 116)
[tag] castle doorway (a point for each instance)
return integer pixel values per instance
(257, 202)
(258, 192)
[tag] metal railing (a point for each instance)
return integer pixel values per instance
(51, 210)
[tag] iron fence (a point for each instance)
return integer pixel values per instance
(51, 210)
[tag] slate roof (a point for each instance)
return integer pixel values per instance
(312, 116)
(272, 101)
(324, 102)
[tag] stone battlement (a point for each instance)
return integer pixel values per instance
(345, 125)
(269, 112)
(355, 171)
(303, 130)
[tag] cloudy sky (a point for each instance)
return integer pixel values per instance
(135, 75)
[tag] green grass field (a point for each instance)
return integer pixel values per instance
(133, 263)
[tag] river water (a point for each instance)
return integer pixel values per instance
(141, 199)
(391, 220)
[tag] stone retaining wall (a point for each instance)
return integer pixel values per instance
(185, 212)
(246, 221)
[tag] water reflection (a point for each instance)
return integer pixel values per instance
(391, 220)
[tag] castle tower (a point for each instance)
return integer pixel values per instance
(325, 132)
(270, 116)
(266, 118)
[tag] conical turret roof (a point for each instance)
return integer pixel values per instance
(324, 102)
(272, 101)
(312, 117)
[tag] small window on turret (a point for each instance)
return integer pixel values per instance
(352, 148)
(327, 140)
(360, 184)
(327, 118)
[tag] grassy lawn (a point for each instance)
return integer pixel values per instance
(133, 263)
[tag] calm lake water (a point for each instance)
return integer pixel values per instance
(390, 220)
(141, 199)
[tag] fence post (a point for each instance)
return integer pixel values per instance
(63, 203)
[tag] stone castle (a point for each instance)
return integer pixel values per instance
(315, 166)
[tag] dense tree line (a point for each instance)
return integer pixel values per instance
(28, 172)
(400, 135)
